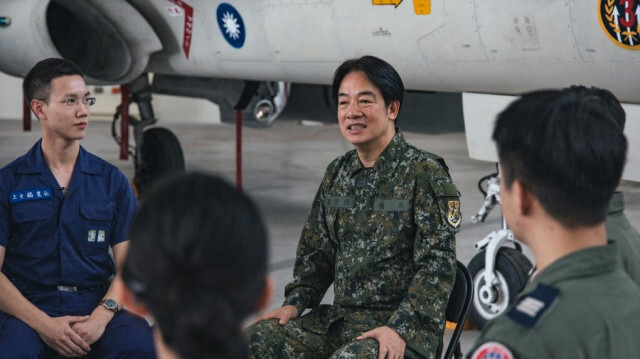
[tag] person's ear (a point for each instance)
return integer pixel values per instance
(128, 298)
(36, 108)
(267, 294)
(394, 108)
(522, 197)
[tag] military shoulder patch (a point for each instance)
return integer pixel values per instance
(449, 195)
(453, 213)
(529, 309)
(492, 350)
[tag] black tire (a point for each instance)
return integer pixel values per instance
(512, 269)
(161, 155)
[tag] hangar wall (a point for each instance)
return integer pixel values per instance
(168, 109)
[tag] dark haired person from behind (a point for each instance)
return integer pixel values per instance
(561, 157)
(619, 229)
(381, 228)
(197, 265)
(61, 210)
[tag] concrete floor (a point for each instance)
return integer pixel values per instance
(282, 168)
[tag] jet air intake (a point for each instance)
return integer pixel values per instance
(109, 40)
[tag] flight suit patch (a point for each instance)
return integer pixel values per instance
(34, 194)
(492, 350)
(529, 309)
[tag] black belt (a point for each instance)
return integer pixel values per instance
(27, 285)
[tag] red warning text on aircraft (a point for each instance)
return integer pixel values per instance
(188, 25)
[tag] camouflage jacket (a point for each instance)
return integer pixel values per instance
(385, 236)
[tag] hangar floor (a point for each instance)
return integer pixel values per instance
(282, 168)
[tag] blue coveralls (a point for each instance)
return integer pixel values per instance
(54, 240)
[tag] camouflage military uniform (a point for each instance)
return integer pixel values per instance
(622, 232)
(385, 236)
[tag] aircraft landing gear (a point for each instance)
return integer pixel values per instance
(499, 273)
(492, 296)
(157, 152)
(160, 155)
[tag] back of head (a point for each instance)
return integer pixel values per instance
(197, 259)
(379, 72)
(608, 99)
(567, 147)
(37, 82)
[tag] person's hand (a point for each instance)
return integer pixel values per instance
(391, 344)
(59, 336)
(284, 313)
(92, 329)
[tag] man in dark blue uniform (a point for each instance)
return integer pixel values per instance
(61, 209)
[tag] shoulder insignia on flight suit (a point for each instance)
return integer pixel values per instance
(492, 350)
(529, 309)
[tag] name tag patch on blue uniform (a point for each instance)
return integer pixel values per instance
(96, 235)
(34, 194)
(530, 308)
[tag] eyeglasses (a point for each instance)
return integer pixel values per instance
(71, 102)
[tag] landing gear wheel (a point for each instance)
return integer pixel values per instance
(512, 270)
(161, 155)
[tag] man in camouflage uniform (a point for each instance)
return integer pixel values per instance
(381, 229)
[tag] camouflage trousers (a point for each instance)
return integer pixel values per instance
(309, 337)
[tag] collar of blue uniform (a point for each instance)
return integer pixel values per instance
(583, 263)
(35, 163)
(387, 159)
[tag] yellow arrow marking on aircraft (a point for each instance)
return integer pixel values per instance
(386, 2)
(420, 7)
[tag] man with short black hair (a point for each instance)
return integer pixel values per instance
(61, 209)
(561, 157)
(382, 230)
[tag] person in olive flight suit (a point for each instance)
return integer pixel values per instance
(561, 157)
(381, 229)
(619, 229)
(61, 209)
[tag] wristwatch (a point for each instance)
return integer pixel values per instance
(110, 304)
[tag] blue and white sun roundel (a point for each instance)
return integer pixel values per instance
(231, 25)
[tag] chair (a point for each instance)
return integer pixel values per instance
(458, 308)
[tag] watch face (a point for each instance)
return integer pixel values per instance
(111, 304)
